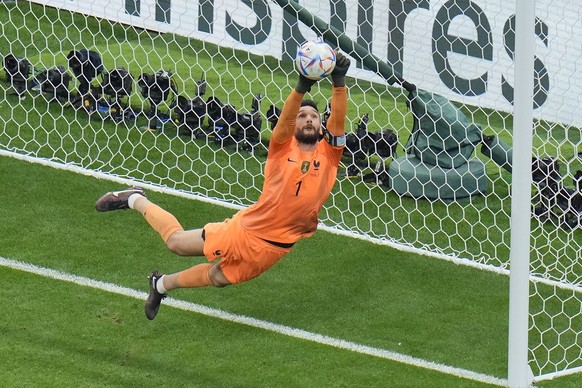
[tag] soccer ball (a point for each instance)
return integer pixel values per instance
(315, 60)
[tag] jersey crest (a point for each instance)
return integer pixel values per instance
(305, 166)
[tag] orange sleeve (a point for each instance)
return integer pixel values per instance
(336, 122)
(285, 127)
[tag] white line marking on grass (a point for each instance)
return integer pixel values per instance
(223, 203)
(281, 329)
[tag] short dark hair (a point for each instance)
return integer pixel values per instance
(310, 103)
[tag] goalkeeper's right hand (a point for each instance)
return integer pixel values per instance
(304, 84)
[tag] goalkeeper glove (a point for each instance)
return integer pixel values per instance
(342, 64)
(304, 84)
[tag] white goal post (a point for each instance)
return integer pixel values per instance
(465, 124)
(519, 373)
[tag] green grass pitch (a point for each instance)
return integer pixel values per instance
(60, 333)
(57, 333)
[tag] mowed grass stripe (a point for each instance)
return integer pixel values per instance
(281, 329)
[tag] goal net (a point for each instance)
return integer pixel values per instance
(182, 95)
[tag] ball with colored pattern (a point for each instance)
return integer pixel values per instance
(315, 60)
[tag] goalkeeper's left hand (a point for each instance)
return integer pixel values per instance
(342, 64)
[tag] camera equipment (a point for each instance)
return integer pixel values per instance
(496, 149)
(232, 127)
(17, 72)
(189, 113)
(361, 144)
(384, 143)
(117, 84)
(578, 180)
(86, 65)
(553, 200)
(157, 88)
(358, 142)
(53, 82)
(273, 114)
(220, 119)
(250, 123)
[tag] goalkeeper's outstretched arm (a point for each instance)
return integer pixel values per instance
(285, 128)
(339, 99)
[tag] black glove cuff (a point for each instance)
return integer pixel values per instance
(339, 81)
(302, 87)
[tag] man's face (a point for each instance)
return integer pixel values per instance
(308, 125)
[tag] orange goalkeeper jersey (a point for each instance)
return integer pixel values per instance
(297, 183)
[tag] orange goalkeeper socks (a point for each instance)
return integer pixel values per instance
(161, 221)
(197, 276)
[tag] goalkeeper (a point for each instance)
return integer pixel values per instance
(300, 172)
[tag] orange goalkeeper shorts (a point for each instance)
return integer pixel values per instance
(242, 255)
